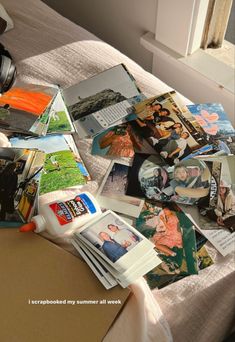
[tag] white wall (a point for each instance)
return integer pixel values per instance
(121, 23)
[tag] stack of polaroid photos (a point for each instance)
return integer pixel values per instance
(115, 251)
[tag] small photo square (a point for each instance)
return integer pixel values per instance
(111, 236)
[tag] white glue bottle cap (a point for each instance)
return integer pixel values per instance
(62, 217)
(38, 225)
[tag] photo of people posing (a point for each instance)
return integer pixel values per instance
(220, 213)
(161, 122)
(111, 236)
(224, 213)
(187, 182)
(120, 141)
(173, 235)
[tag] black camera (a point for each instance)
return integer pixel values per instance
(7, 70)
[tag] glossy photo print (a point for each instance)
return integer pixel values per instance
(20, 170)
(171, 133)
(187, 182)
(173, 235)
(216, 124)
(62, 166)
(112, 192)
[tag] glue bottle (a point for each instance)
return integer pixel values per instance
(61, 218)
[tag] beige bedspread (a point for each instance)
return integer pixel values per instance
(50, 49)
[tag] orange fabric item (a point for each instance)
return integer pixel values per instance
(27, 100)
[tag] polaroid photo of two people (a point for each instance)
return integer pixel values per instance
(118, 245)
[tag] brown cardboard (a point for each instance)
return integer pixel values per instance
(33, 268)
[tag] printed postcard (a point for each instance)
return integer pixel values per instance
(215, 122)
(97, 103)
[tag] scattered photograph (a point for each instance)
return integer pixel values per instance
(221, 209)
(173, 235)
(220, 237)
(19, 181)
(61, 167)
(203, 258)
(188, 182)
(120, 141)
(117, 141)
(97, 122)
(59, 119)
(216, 124)
(40, 126)
(97, 103)
(112, 192)
(173, 134)
(107, 88)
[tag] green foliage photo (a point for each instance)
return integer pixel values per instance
(61, 125)
(60, 172)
